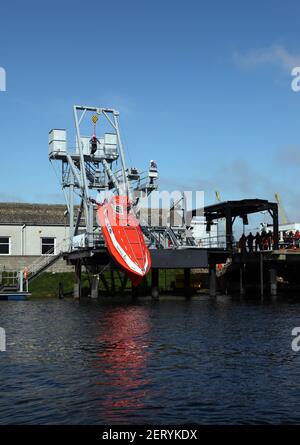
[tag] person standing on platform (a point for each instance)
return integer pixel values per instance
(291, 239)
(270, 240)
(250, 239)
(258, 242)
(242, 243)
(297, 238)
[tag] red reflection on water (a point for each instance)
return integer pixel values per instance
(124, 340)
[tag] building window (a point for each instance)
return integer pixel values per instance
(48, 246)
(5, 245)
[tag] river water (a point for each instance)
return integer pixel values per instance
(200, 361)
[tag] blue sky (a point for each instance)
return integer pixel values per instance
(204, 88)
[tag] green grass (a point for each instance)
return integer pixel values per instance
(47, 284)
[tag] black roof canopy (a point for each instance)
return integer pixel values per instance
(238, 208)
(230, 210)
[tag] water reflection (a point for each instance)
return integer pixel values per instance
(122, 360)
(172, 362)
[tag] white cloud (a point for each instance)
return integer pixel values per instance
(276, 55)
(289, 156)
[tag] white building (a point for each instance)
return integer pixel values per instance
(28, 231)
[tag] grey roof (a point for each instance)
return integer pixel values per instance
(32, 214)
(16, 213)
(160, 217)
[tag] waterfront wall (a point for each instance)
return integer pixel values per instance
(17, 262)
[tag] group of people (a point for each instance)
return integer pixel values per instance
(265, 241)
(290, 239)
(258, 242)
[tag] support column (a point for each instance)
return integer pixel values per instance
(77, 282)
(60, 290)
(212, 280)
(154, 284)
(113, 285)
(273, 282)
(94, 286)
(228, 229)
(134, 292)
(275, 227)
(242, 279)
(71, 206)
(261, 265)
(187, 283)
(21, 278)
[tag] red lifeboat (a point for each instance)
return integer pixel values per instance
(124, 238)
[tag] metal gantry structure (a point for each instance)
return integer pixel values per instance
(92, 166)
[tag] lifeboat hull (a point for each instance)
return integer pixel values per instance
(124, 238)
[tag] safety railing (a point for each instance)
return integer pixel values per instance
(217, 242)
(145, 183)
(48, 258)
(8, 277)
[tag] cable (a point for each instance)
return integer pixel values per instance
(125, 145)
(59, 181)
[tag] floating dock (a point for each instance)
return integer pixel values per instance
(16, 296)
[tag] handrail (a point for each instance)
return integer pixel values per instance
(8, 278)
(218, 241)
(53, 253)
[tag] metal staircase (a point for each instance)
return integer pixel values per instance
(45, 261)
(164, 237)
(225, 269)
(42, 264)
(153, 237)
